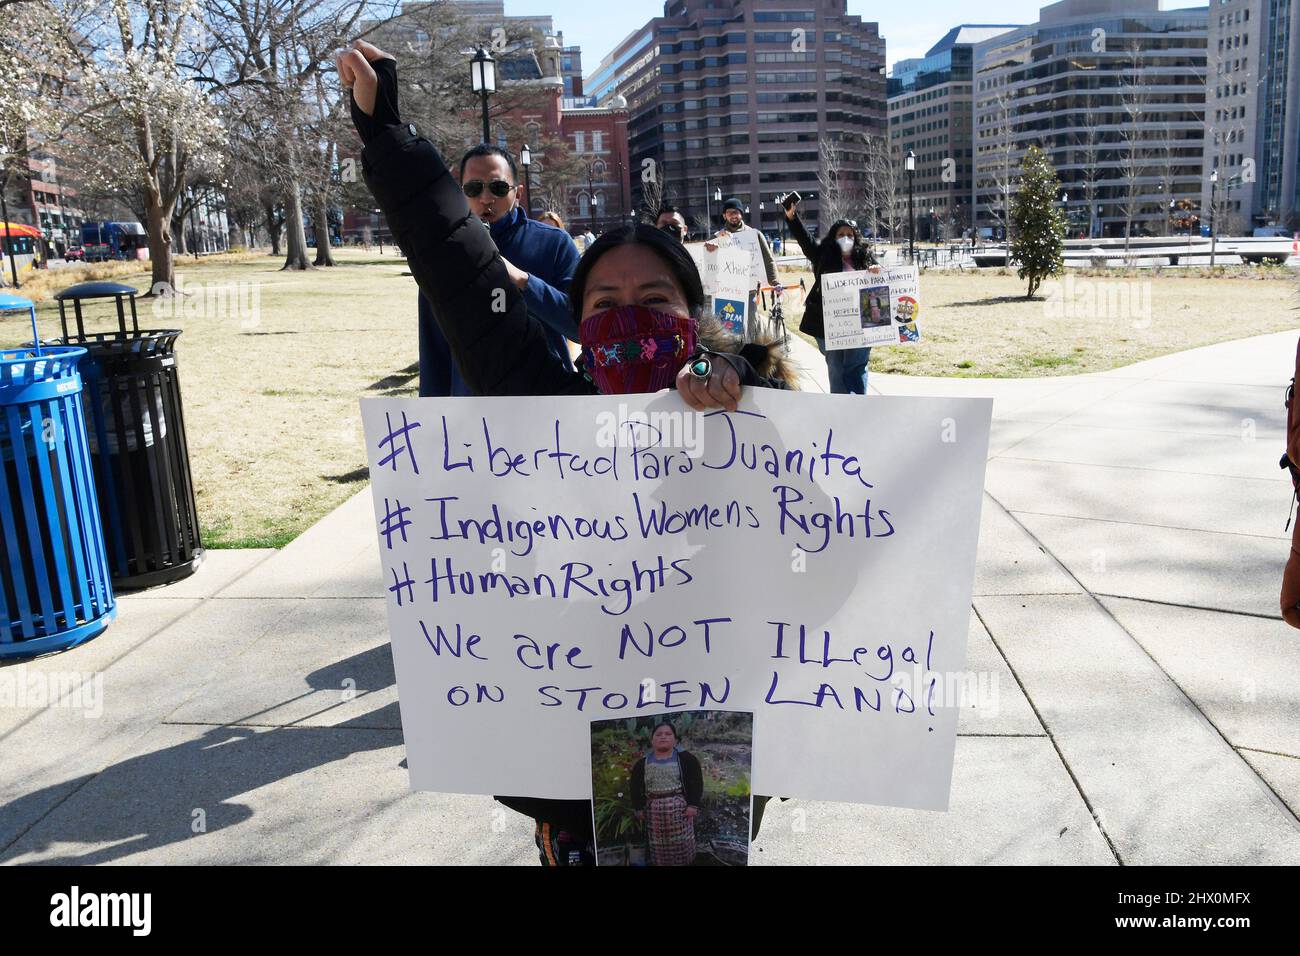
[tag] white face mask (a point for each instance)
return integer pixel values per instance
(846, 244)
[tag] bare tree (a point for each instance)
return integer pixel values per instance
(837, 195)
(883, 184)
(555, 175)
(996, 181)
(1087, 153)
(1135, 156)
(271, 64)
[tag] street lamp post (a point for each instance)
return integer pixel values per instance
(1214, 183)
(379, 228)
(526, 161)
(911, 216)
(483, 80)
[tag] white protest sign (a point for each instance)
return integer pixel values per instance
(550, 562)
(748, 240)
(866, 308)
(725, 274)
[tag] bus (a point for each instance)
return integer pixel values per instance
(114, 240)
(27, 246)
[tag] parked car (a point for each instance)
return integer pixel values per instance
(75, 254)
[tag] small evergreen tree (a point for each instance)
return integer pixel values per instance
(1039, 223)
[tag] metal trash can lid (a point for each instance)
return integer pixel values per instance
(96, 290)
(143, 342)
(14, 303)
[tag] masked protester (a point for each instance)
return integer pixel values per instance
(671, 221)
(636, 297)
(841, 250)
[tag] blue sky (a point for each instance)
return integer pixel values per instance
(909, 28)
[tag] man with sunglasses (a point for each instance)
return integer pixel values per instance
(539, 257)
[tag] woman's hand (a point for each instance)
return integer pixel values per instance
(691, 812)
(721, 389)
(371, 75)
(790, 212)
(358, 75)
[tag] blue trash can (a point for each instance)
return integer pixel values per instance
(54, 590)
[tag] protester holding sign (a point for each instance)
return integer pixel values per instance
(841, 250)
(734, 227)
(636, 297)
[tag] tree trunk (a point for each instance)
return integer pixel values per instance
(273, 228)
(162, 265)
(295, 235)
(178, 231)
(321, 226)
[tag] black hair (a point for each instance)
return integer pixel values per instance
(828, 250)
(668, 209)
(664, 723)
(490, 149)
(669, 250)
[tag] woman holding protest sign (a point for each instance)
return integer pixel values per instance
(841, 250)
(636, 294)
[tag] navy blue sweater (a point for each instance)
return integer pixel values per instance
(549, 257)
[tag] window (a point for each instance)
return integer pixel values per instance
(579, 141)
(596, 137)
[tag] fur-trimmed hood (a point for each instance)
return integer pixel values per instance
(767, 355)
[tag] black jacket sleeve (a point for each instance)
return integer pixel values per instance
(499, 348)
(806, 242)
(692, 778)
(637, 785)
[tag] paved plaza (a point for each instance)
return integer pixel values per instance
(1125, 601)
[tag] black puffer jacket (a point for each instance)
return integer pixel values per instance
(822, 260)
(499, 350)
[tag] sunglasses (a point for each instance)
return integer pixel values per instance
(498, 187)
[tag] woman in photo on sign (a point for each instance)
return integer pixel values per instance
(841, 250)
(667, 786)
(636, 294)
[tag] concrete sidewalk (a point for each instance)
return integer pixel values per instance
(1125, 600)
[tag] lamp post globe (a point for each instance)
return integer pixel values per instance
(483, 81)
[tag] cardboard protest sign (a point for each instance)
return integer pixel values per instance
(552, 563)
(725, 274)
(867, 308)
(748, 240)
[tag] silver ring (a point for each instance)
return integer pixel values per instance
(701, 367)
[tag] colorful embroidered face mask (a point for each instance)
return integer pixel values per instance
(634, 349)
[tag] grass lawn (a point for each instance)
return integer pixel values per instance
(981, 325)
(271, 395)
